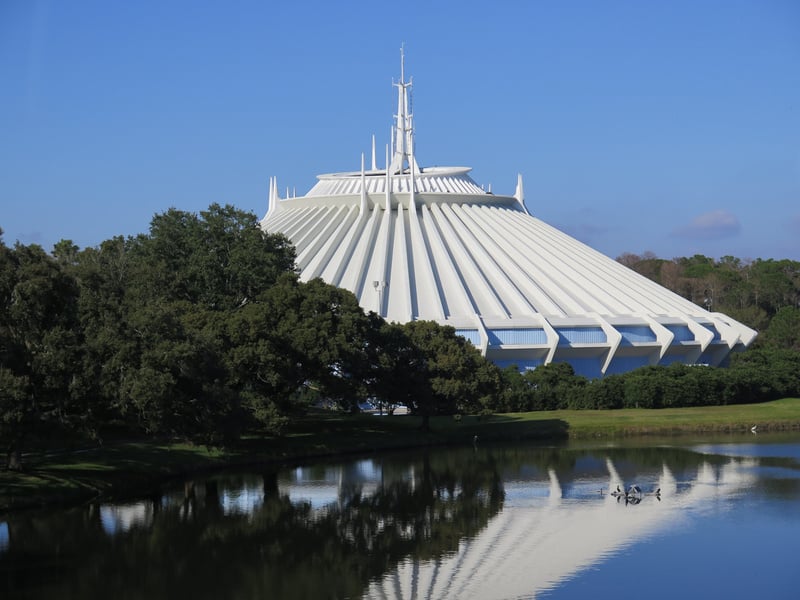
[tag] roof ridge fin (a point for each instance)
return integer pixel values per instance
(362, 209)
(388, 182)
(519, 194)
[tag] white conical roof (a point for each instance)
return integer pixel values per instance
(429, 243)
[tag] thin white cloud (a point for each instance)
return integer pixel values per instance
(714, 225)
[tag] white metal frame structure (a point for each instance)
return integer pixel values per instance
(430, 244)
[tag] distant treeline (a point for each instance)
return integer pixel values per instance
(753, 292)
(201, 330)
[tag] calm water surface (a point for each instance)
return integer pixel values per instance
(487, 522)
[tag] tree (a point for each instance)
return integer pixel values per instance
(517, 395)
(784, 329)
(776, 283)
(155, 310)
(219, 259)
(297, 337)
(265, 369)
(644, 388)
(14, 415)
(400, 371)
(553, 385)
(40, 348)
(329, 330)
(179, 386)
(770, 372)
(461, 380)
(608, 392)
(112, 347)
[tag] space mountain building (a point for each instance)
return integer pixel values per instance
(428, 243)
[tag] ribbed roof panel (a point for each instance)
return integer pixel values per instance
(479, 261)
(435, 181)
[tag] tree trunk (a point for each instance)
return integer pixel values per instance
(14, 459)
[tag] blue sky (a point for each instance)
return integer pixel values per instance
(670, 127)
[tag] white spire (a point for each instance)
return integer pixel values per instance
(362, 210)
(403, 138)
(388, 182)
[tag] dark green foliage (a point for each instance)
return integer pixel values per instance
(298, 341)
(516, 391)
(555, 386)
(773, 373)
(328, 332)
(400, 374)
(40, 347)
(260, 362)
(755, 376)
(433, 371)
(608, 392)
(219, 259)
(784, 330)
(190, 281)
(549, 387)
(154, 309)
(461, 380)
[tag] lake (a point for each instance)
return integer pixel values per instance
(712, 518)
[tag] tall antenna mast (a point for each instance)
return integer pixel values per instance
(403, 152)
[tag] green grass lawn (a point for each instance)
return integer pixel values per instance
(132, 467)
(780, 414)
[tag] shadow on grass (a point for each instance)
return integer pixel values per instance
(102, 471)
(137, 466)
(508, 428)
(372, 432)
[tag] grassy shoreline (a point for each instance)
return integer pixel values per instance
(133, 467)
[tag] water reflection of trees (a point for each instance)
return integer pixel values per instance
(193, 547)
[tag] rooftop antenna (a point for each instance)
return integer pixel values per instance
(403, 138)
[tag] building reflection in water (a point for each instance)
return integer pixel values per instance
(118, 518)
(544, 536)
